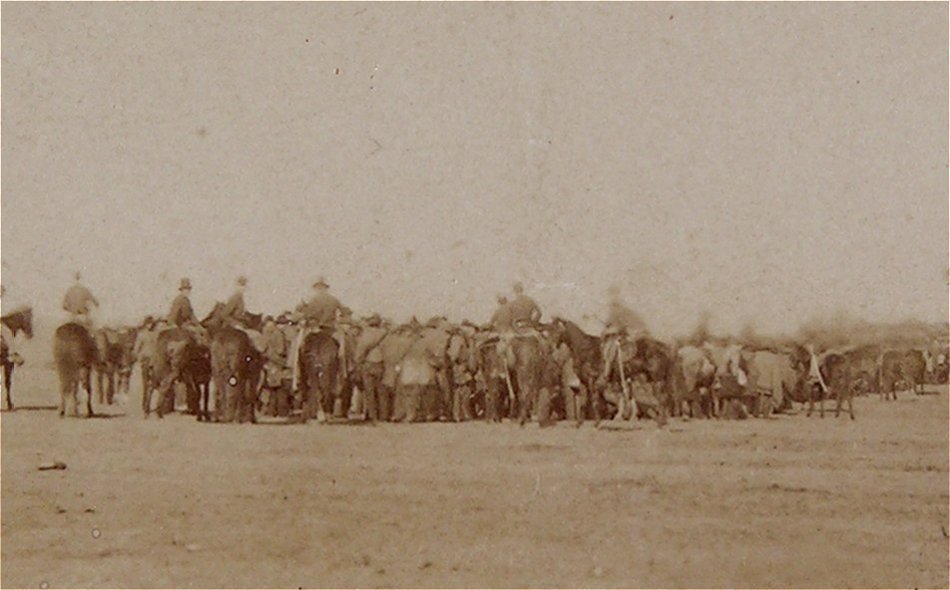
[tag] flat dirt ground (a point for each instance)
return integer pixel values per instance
(785, 502)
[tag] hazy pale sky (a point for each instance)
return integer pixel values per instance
(764, 162)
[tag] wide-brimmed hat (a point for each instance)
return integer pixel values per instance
(321, 282)
(184, 284)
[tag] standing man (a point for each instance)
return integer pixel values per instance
(368, 361)
(9, 338)
(277, 374)
(79, 303)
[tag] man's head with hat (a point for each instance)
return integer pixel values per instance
(185, 285)
(321, 284)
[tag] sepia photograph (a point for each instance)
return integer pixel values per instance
(475, 295)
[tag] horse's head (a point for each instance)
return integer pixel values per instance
(213, 319)
(253, 321)
(20, 320)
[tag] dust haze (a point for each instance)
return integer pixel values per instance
(768, 164)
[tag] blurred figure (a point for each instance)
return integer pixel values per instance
(79, 303)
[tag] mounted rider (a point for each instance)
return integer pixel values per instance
(322, 311)
(519, 317)
(79, 303)
(182, 315)
(234, 310)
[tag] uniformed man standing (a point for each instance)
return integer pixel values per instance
(368, 360)
(277, 382)
(79, 303)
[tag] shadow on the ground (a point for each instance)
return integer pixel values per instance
(28, 409)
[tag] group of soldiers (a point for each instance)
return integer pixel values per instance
(381, 361)
(376, 355)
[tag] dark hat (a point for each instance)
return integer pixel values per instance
(184, 284)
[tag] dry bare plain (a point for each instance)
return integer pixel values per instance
(787, 502)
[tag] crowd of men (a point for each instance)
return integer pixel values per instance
(380, 361)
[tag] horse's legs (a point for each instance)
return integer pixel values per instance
(64, 387)
(524, 407)
(110, 393)
(163, 390)
(7, 383)
(86, 378)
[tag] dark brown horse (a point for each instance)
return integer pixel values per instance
(588, 360)
(17, 321)
(836, 372)
(115, 362)
(237, 369)
(179, 358)
(864, 365)
(491, 378)
(319, 375)
(75, 354)
(907, 366)
(216, 319)
(528, 365)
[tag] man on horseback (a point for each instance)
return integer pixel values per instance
(79, 303)
(182, 315)
(523, 310)
(234, 309)
(519, 317)
(321, 312)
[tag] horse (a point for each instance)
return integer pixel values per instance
(527, 361)
(115, 362)
(17, 321)
(75, 354)
(319, 374)
(588, 360)
(693, 377)
(836, 371)
(237, 369)
(179, 357)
